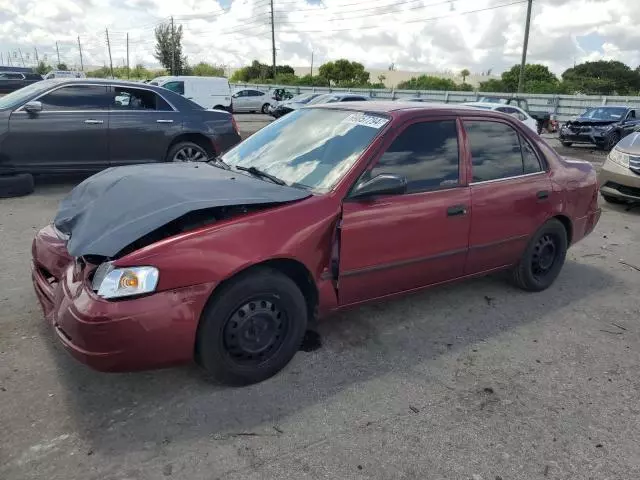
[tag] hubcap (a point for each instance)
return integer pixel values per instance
(544, 256)
(255, 332)
(189, 154)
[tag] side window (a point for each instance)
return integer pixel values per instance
(76, 97)
(243, 93)
(255, 93)
(177, 87)
(426, 154)
(631, 115)
(137, 99)
(529, 158)
(495, 150)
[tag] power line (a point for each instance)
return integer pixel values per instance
(369, 27)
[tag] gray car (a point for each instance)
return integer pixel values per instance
(73, 125)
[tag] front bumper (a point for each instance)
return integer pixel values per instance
(592, 136)
(619, 182)
(129, 334)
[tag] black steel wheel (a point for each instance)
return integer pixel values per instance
(252, 327)
(543, 258)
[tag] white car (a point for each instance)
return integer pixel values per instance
(512, 110)
(251, 100)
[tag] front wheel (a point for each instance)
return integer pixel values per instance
(566, 144)
(252, 328)
(543, 258)
(612, 141)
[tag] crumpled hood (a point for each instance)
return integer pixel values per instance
(117, 206)
(590, 121)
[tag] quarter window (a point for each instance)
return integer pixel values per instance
(76, 97)
(498, 152)
(426, 154)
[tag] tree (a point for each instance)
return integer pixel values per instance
(344, 73)
(427, 82)
(492, 85)
(62, 66)
(537, 79)
(203, 69)
(43, 68)
(464, 74)
(168, 48)
(602, 78)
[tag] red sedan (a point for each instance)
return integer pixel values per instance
(227, 262)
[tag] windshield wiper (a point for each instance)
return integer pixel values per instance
(218, 162)
(260, 173)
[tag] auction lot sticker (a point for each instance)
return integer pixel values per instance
(366, 120)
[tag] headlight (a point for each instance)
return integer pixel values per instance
(111, 282)
(603, 128)
(616, 156)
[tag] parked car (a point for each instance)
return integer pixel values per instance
(620, 175)
(414, 99)
(600, 126)
(327, 208)
(543, 119)
(337, 97)
(512, 110)
(12, 81)
(208, 92)
(64, 74)
(88, 125)
(251, 100)
(295, 103)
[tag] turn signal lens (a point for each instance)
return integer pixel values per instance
(110, 282)
(128, 280)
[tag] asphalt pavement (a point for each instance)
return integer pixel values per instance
(473, 381)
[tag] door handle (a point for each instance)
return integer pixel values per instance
(456, 210)
(164, 121)
(542, 195)
(93, 122)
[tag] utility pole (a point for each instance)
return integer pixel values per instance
(525, 44)
(173, 48)
(311, 63)
(273, 42)
(9, 57)
(35, 50)
(80, 49)
(109, 47)
(127, 54)
(58, 52)
(21, 57)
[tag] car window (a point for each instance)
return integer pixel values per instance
(242, 93)
(76, 97)
(352, 99)
(177, 87)
(425, 153)
(255, 93)
(33, 76)
(495, 150)
(506, 109)
(631, 115)
(125, 98)
(530, 161)
(11, 76)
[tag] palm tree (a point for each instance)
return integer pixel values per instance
(464, 74)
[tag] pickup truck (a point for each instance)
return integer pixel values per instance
(543, 119)
(12, 81)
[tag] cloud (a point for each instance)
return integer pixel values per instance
(420, 35)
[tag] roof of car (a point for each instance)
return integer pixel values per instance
(106, 81)
(388, 106)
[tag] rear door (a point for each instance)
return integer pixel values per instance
(395, 243)
(257, 99)
(511, 193)
(71, 131)
(141, 127)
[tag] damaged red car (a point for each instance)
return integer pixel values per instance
(228, 262)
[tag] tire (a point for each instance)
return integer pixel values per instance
(566, 144)
(265, 108)
(543, 258)
(187, 152)
(614, 200)
(264, 301)
(16, 185)
(612, 141)
(220, 107)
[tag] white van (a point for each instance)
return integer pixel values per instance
(208, 92)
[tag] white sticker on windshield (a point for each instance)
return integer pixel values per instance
(366, 120)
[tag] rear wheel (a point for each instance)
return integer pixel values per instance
(566, 144)
(543, 258)
(265, 108)
(16, 185)
(187, 152)
(252, 328)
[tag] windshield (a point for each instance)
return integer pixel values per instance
(310, 148)
(20, 96)
(605, 113)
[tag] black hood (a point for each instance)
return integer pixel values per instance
(114, 208)
(591, 121)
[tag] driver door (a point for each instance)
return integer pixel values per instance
(395, 243)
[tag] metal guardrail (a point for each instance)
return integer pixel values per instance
(562, 107)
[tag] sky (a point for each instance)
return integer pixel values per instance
(415, 35)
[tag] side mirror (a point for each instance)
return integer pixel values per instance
(384, 184)
(33, 106)
(235, 95)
